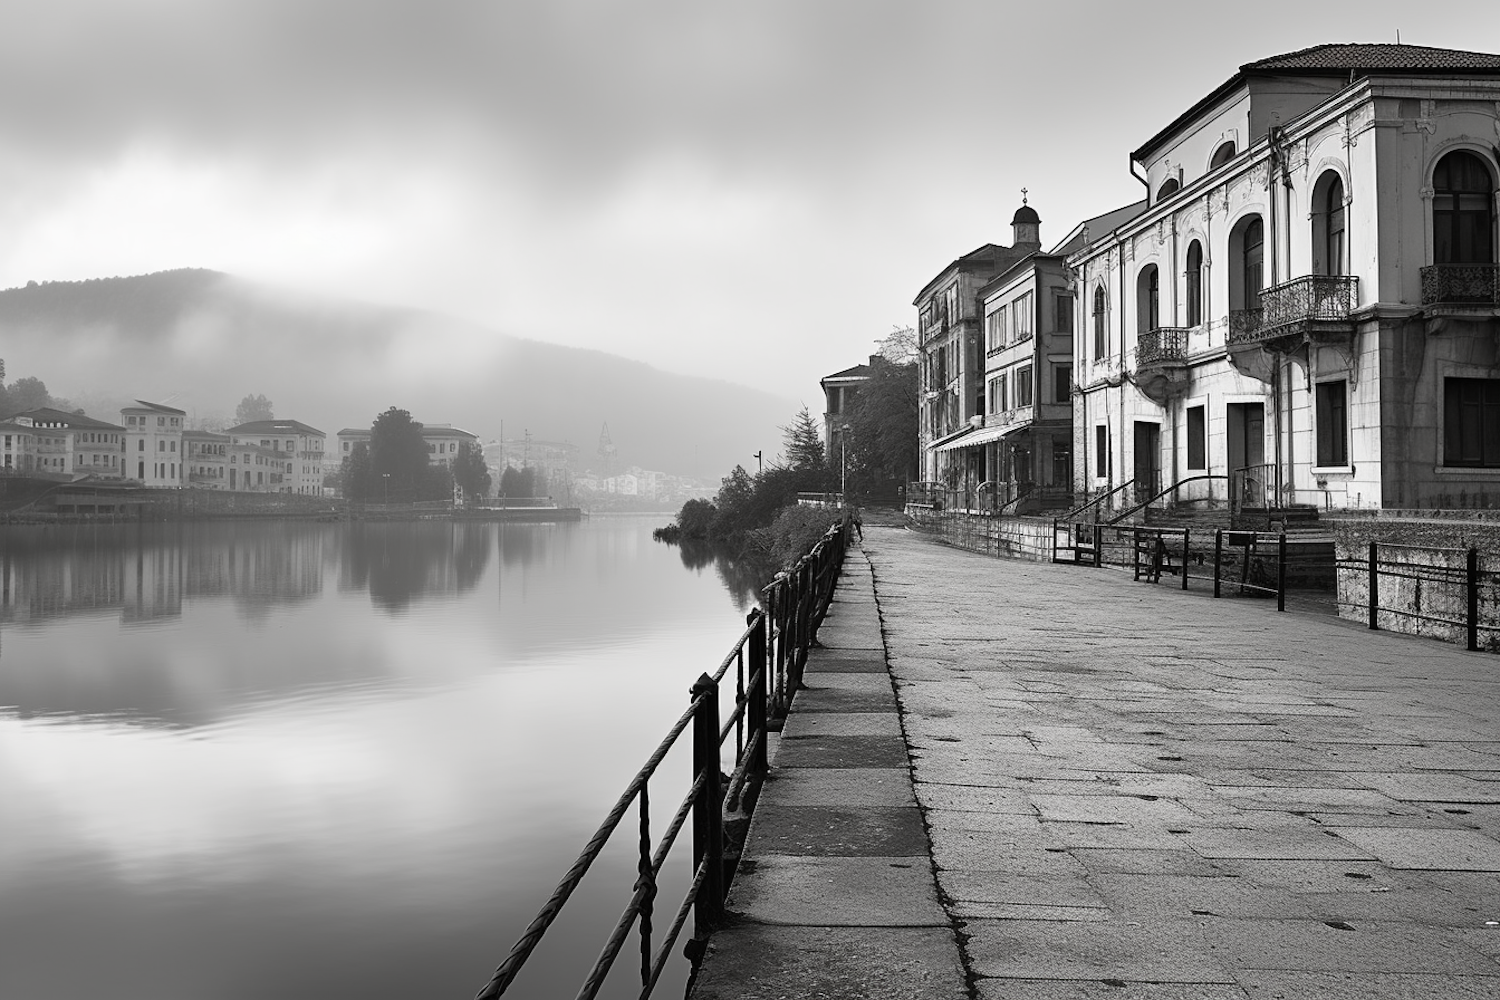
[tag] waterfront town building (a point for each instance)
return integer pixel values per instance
(839, 390)
(153, 444)
(71, 445)
(951, 359)
(17, 447)
(442, 441)
(207, 459)
(293, 450)
(1307, 310)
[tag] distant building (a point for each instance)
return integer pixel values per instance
(17, 447)
(73, 445)
(153, 443)
(294, 447)
(442, 442)
(206, 455)
(839, 390)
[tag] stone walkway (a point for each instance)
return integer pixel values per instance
(1127, 792)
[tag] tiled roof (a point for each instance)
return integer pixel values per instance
(157, 408)
(434, 432)
(275, 427)
(1099, 226)
(858, 371)
(1355, 56)
(76, 420)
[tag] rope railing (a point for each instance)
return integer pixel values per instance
(768, 658)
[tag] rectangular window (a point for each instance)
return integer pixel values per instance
(1023, 386)
(995, 329)
(997, 395)
(1332, 415)
(1101, 452)
(1471, 422)
(1062, 311)
(1197, 437)
(1021, 316)
(1062, 383)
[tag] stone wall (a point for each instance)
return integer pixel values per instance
(164, 505)
(1012, 537)
(1434, 545)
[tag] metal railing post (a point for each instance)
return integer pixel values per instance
(1281, 573)
(1098, 545)
(708, 816)
(1473, 595)
(1218, 556)
(759, 669)
(1184, 557)
(1374, 587)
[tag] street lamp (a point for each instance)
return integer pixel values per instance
(387, 477)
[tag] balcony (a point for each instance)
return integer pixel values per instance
(1316, 306)
(1461, 288)
(1161, 362)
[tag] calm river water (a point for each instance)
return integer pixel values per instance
(292, 760)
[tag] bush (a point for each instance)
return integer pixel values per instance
(793, 533)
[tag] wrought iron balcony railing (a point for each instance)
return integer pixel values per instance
(1165, 345)
(1461, 284)
(1295, 306)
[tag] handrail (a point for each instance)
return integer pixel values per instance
(1170, 489)
(1070, 515)
(772, 648)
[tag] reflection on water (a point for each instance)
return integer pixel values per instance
(743, 578)
(293, 759)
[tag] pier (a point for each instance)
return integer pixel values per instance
(1006, 779)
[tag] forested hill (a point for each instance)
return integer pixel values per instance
(202, 340)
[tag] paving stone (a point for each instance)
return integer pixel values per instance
(861, 661)
(822, 697)
(1164, 952)
(1266, 985)
(800, 724)
(819, 750)
(1447, 850)
(837, 892)
(860, 831)
(849, 786)
(1073, 989)
(748, 961)
(1366, 947)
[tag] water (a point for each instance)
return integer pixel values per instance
(254, 759)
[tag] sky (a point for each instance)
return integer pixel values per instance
(753, 191)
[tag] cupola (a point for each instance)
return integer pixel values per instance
(1026, 227)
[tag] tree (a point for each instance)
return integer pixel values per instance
(803, 443)
(469, 470)
(357, 474)
(397, 451)
(515, 482)
(882, 418)
(253, 408)
(26, 394)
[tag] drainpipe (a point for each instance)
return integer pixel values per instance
(1146, 183)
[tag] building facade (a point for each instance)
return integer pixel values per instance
(153, 444)
(1306, 311)
(292, 447)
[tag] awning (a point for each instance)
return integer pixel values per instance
(982, 436)
(945, 443)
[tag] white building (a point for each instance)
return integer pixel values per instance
(297, 449)
(153, 444)
(1307, 310)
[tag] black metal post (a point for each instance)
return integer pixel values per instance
(1135, 545)
(1473, 588)
(1281, 573)
(1374, 587)
(1184, 557)
(1098, 545)
(1218, 556)
(759, 669)
(708, 815)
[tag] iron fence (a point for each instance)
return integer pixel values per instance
(768, 660)
(1424, 589)
(1461, 284)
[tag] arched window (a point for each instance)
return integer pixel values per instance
(1222, 155)
(1463, 205)
(1148, 299)
(1101, 324)
(1328, 225)
(1170, 187)
(1194, 283)
(1247, 257)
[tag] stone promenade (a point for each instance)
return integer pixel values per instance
(1037, 782)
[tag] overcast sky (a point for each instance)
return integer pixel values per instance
(749, 190)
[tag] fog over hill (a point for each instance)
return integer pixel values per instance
(202, 340)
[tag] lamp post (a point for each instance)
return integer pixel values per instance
(387, 477)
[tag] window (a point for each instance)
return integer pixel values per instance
(1062, 311)
(1021, 316)
(1462, 210)
(1247, 252)
(1471, 422)
(1062, 383)
(1148, 299)
(1168, 188)
(1222, 155)
(1101, 452)
(1194, 283)
(1101, 333)
(140, 445)
(1328, 224)
(1332, 415)
(1023, 386)
(997, 395)
(1197, 438)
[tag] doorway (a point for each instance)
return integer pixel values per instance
(1147, 460)
(1245, 431)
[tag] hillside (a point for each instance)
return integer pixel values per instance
(202, 340)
